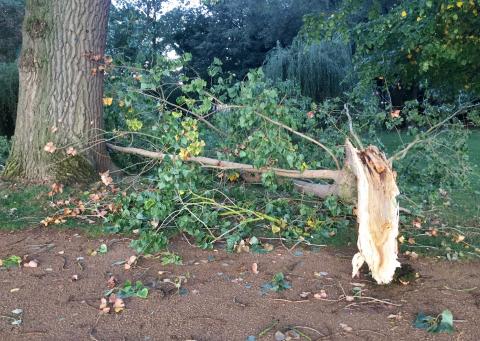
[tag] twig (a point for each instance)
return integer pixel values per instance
(350, 126)
(308, 328)
(402, 153)
(269, 327)
(379, 301)
(468, 289)
(289, 301)
(308, 138)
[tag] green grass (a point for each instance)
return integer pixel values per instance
(25, 206)
(465, 208)
(461, 217)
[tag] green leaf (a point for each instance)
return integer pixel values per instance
(12, 261)
(443, 323)
(143, 293)
(103, 249)
(446, 322)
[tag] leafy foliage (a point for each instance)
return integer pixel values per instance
(238, 32)
(443, 323)
(183, 197)
(10, 262)
(4, 150)
(277, 284)
(411, 43)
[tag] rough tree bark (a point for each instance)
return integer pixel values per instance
(60, 99)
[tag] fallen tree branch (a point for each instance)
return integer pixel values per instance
(367, 179)
(225, 165)
(318, 190)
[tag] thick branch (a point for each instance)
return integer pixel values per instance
(318, 190)
(219, 164)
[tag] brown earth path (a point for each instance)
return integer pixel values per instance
(222, 299)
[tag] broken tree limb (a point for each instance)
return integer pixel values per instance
(377, 212)
(367, 178)
(228, 165)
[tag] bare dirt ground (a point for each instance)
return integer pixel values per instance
(222, 299)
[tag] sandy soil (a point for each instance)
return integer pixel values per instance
(223, 298)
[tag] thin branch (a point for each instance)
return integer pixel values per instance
(308, 138)
(350, 126)
(402, 153)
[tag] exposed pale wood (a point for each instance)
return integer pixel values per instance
(377, 212)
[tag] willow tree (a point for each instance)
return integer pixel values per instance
(59, 115)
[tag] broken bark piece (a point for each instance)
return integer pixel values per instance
(377, 212)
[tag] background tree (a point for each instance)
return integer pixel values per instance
(136, 30)
(409, 44)
(60, 100)
(239, 33)
(11, 14)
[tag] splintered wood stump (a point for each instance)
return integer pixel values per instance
(377, 212)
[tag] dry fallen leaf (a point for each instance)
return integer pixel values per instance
(107, 101)
(417, 223)
(112, 282)
(14, 289)
(71, 151)
(94, 197)
(305, 294)
(321, 295)
(129, 262)
(104, 308)
(267, 247)
(459, 238)
(411, 254)
(119, 305)
(50, 148)
(255, 268)
(106, 178)
(31, 264)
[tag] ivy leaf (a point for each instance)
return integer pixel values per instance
(441, 324)
(446, 322)
(143, 293)
(102, 249)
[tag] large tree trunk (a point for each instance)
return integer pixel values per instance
(60, 99)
